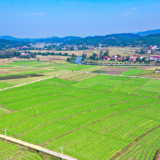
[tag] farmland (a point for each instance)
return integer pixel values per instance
(9, 151)
(92, 116)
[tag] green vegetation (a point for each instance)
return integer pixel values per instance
(9, 151)
(133, 72)
(93, 116)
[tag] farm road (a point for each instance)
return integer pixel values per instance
(89, 72)
(36, 147)
(31, 82)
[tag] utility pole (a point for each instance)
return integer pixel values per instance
(62, 152)
(5, 134)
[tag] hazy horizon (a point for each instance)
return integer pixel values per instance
(82, 18)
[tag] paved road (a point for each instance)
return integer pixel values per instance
(36, 147)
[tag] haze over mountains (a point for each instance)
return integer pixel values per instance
(74, 38)
(151, 37)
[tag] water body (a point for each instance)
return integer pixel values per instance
(78, 60)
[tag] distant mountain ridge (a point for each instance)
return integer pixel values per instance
(47, 40)
(151, 37)
(146, 33)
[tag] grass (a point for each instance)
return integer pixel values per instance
(92, 116)
(133, 72)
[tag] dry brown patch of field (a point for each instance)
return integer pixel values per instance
(108, 69)
(146, 67)
(118, 71)
(52, 58)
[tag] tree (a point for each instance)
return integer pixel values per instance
(106, 53)
(119, 56)
(84, 56)
(66, 54)
(142, 51)
(101, 55)
(127, 58)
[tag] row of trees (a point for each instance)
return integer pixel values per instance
(72, 58)
(94, 56)
(9, 53)
(48, 53)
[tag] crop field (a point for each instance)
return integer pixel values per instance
(10, 152)
(92, 116)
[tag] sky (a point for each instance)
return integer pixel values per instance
(47, 18)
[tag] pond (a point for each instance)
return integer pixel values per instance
(78, 60)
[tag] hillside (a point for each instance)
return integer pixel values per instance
(153, 39)
(123, 39)
(46, 40)
(9, 44)
(145, 33)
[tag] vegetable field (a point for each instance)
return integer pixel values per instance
(92, 116)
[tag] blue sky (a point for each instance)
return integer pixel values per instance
(46, 18)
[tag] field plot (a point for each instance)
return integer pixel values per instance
(92, 116)
(10, 152)
(133, 72)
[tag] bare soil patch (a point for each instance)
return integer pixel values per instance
(118, 71)
(108, 69)
(146, 67)
(19, 76)
(52, 58)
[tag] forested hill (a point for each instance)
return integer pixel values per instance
(119, 40)
(111, 40)
(145, 33)
(46, 40)
(10, 44)
(153, 39)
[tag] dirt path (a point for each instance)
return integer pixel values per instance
(36, 147)
(32, 82)
(7, 110)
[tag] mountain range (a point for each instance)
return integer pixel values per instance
(74, 38)
(46, 40)
(122, 39)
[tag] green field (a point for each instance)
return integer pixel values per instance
(93, 116)
(12, 152)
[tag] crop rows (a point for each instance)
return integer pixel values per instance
(9, 151)
(132, 72)
(5, 85)
(93, 119)
(145, 148)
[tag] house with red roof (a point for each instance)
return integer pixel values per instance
(149, 51)
(106, 58)
(114, 58)
(132, 60)
(154, 58)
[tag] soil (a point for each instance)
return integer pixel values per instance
(118, 71)
(19, 76)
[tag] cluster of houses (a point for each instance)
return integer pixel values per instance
(133, 58)
(151, 49)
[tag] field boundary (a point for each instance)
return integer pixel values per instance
(131, 144)
(36, 147)
(19, 85)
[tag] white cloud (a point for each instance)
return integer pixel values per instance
(30, 14)
(94, 15)
(34, 14)
(127, 14)
(130, 12)
(134, 8)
